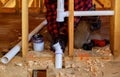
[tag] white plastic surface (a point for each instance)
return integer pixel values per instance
(38, 46)
(58, 55)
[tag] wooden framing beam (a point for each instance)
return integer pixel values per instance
(42, 6)
(99, 3)
(24, 27)
(1, 4)
(71, 27)
(17, 6)
(115, 28)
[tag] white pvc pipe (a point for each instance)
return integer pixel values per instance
(93, 13)
(58, 61)
(7, 57)
(60, 11)
(38, 46)
(58, 56)
(61, 15)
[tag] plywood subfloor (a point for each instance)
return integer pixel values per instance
(10, 28)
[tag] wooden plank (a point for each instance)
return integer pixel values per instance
(38, 5)
(102, 4)
(7, 10)
(115, 28)
(71, 27)
(17, 6)
(24, 27)
(41, 5)
(1, 4)
(112, 29)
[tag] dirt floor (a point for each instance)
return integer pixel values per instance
(85, 66)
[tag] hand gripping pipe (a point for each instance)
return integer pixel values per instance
(7, 57)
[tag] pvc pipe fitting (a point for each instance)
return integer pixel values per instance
(60, 11)
(58, 56)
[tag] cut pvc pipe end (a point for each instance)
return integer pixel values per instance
(58, 56)
(5, 59)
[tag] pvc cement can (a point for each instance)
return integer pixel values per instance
(38, 42)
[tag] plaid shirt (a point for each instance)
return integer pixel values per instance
(55, 28)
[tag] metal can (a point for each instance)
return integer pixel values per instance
(38, 42)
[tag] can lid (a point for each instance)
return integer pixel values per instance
(37, 38)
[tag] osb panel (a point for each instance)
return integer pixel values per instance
(104, 4)
(10, 28)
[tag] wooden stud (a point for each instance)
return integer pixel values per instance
(24, 27)
(41, 6)
(1, 4)
(38, 5)
(71, 27)
(35, 2)
(115, 28)
(17, 6)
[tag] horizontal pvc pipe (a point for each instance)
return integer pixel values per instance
(93, 13)
(58, 61)
(62, 15)
(90, 13)
(7, 57)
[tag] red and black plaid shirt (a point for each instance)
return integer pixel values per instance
(55, 28)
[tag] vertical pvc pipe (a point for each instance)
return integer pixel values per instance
(24, 27)
(71, 27)
(60, 10)
(58, 55)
